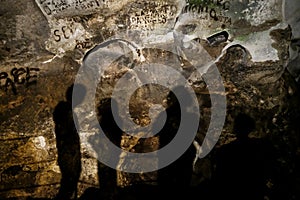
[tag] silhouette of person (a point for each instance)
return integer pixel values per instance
(108, 176)
(240, 164)
(175, 178)
(68, 144)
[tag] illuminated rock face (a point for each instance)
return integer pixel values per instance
(43, 44)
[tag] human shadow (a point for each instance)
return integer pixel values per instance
(175, 179)
(172, 180)
(107, 176)
(242, 166)
(68, 143)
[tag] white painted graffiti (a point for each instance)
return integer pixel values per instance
(57, 8)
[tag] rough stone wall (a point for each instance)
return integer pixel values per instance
(41, 50)
(28, 147)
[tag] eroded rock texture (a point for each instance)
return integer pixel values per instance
(253, 45)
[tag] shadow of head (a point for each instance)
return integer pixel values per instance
(243, 125)
(179, 95)
(75, 94)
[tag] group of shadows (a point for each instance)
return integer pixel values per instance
(241, 167)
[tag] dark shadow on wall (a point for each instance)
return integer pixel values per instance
(68, 143)
(107, 176)
(175, 179)
(243, 167)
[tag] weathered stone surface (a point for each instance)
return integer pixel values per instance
(43, 43)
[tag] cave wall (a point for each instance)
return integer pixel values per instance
(42, 47)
